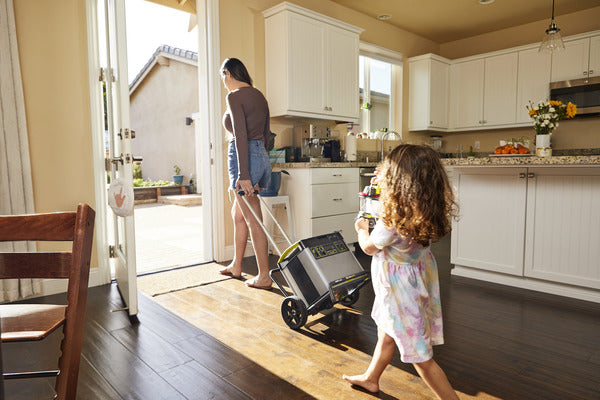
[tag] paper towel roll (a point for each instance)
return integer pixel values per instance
(350, 147)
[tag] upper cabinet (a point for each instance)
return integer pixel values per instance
(492, 90)
(483, 92)
(580, 59)
(311, 64)
(532, 81)
(466, 94)
(428, 93)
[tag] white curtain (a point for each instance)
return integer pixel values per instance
(16, 191)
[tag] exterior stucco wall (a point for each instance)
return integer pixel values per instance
(159, 107)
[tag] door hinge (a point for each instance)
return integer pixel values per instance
(111, 251)
(126, 133)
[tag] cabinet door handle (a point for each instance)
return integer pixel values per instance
(337, 199)
(522, 175)
(336, 175)
(585, 72)
(531, 175)
(591, 71)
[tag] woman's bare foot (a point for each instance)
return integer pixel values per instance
(363, 382)
(259, 283)
(231, 270)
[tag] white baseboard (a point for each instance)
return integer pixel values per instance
(54, 286)
(228, 254)
(558, 289)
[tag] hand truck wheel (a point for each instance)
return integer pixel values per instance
(294, 312)
(350, 299)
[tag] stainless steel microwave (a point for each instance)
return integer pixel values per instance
(585, 93)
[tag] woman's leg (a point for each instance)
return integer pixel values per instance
(436, 379)
(259, 242)
(240, 238)
(384, 351)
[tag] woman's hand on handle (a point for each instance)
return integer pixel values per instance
(245, 185)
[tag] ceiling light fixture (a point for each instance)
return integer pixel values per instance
(485, 2)
(552, 39)
(384, 17)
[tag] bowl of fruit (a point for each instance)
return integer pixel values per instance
(514, 147)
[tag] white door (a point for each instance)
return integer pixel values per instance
(342, 73)
(466, 83)
(572, 62)
(500, 90)
(114, 76)
(533, 80)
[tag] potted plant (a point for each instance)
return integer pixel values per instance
(177, 178)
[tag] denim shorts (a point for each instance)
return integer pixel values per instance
(258, 160)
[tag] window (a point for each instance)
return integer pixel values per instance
(380, 110)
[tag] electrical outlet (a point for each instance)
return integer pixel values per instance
(477, 145)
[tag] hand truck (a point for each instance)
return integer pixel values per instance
(320, 271)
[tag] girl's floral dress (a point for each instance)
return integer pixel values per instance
(407, 294)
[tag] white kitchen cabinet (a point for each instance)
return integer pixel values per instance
(563, 225)
(311, 64)
(500, 90)
(533, 81)
(429, 84)
(323, 200)
(540, 224)
(580, 59)
(466, 94)
(483, 92)
(490, 232)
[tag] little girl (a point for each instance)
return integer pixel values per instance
(415, 205)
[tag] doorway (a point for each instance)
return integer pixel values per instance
(162, 45)
(110, 112)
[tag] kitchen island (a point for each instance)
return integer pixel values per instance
(525, 221)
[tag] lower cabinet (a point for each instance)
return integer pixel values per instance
(323, 200)
(535, 223)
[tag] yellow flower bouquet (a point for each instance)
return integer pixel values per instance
(546, 114)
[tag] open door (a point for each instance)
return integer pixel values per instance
(113, 50)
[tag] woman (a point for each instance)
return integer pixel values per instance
(247, 119)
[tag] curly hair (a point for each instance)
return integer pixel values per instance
(416, 196)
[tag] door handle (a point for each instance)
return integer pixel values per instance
(522, 175)
(531, 175)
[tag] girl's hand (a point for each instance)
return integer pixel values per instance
(361, 224)
(246, 186)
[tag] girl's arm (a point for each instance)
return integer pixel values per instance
(364, 238)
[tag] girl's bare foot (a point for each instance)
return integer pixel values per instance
(363, 382)
(231, 270)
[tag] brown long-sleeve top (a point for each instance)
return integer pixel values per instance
(247, 118)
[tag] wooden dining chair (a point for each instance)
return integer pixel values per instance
(32, 322)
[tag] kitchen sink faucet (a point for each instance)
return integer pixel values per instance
(384, 136)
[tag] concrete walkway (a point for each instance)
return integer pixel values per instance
(167, 236)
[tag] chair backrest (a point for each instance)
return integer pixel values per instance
(74, 265)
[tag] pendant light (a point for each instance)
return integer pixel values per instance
(552, 40)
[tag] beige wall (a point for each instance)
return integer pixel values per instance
(159, 106)
(52, 46)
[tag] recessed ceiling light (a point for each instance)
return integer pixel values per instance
(383, 17)
(484, 2)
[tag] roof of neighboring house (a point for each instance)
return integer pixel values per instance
(164, 51)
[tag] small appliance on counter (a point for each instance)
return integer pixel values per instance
(331, 150)
(312, 140)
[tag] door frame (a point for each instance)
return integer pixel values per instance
(208, 120)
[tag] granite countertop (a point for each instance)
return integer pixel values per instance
(498, 161)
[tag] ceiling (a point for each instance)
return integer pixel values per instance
(448, 20)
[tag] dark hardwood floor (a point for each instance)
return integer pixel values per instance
(508, 343)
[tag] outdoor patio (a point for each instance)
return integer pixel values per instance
(167, 236)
